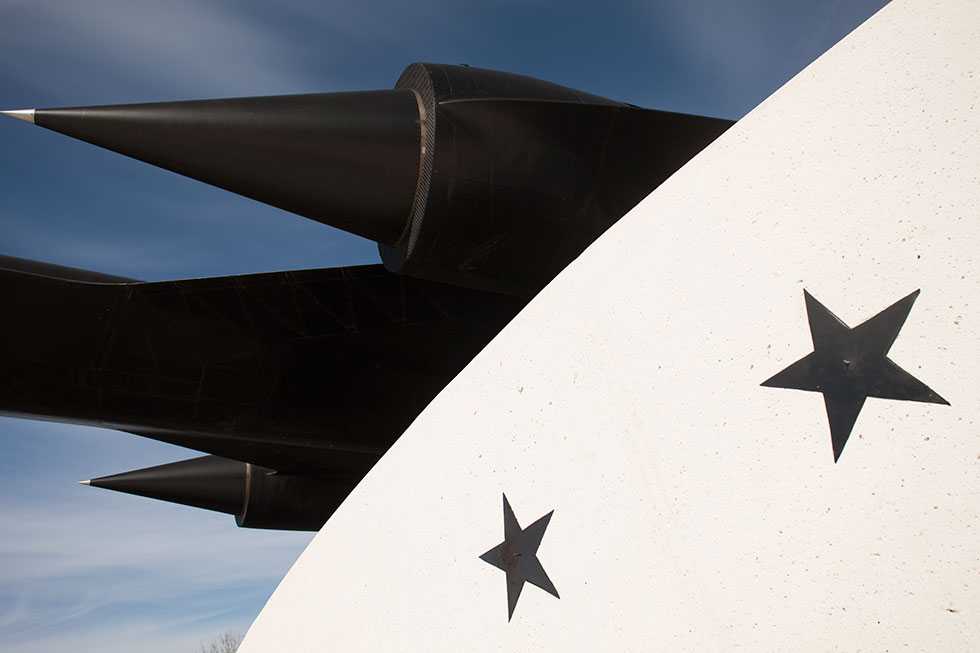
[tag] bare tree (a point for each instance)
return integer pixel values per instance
(226, 643)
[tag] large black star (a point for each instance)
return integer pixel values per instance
(849, 365)
(517, 556)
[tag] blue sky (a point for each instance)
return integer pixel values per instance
(86, 570)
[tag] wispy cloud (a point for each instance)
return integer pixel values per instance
(743, 51)
(120, 216)
(142, 635)
(181, 47)
(83, 564)
(91, 571)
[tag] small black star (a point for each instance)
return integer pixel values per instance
(517, 556)
(849, 365)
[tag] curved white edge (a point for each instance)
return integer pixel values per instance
(694, 509)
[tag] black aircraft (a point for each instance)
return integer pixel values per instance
(478, 186)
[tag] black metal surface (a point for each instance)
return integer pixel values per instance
(257, 496)
(316, 370)
(12, 264)
(517, 556)
(349, 160)
(476, 184)
(519, 175)
(466, 176)
(849, 365)
(208, 482)
(293, 502)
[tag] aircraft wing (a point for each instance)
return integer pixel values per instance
(478, 187)
(310, 373)
(750, 405)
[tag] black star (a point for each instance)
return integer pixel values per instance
(517, 556)
(849, 365)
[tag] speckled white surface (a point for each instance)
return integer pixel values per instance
(694, 509)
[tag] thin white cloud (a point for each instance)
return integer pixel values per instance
(142, 635)
(192, 48)
(744, 51)
(81, 564)
(69, 568)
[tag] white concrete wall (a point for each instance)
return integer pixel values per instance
(694, 509)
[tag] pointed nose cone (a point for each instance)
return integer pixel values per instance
(26, 115)
(208, 482)
(349, 160)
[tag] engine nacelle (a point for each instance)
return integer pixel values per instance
(472, 177)
(517, 175)
(257, 496)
